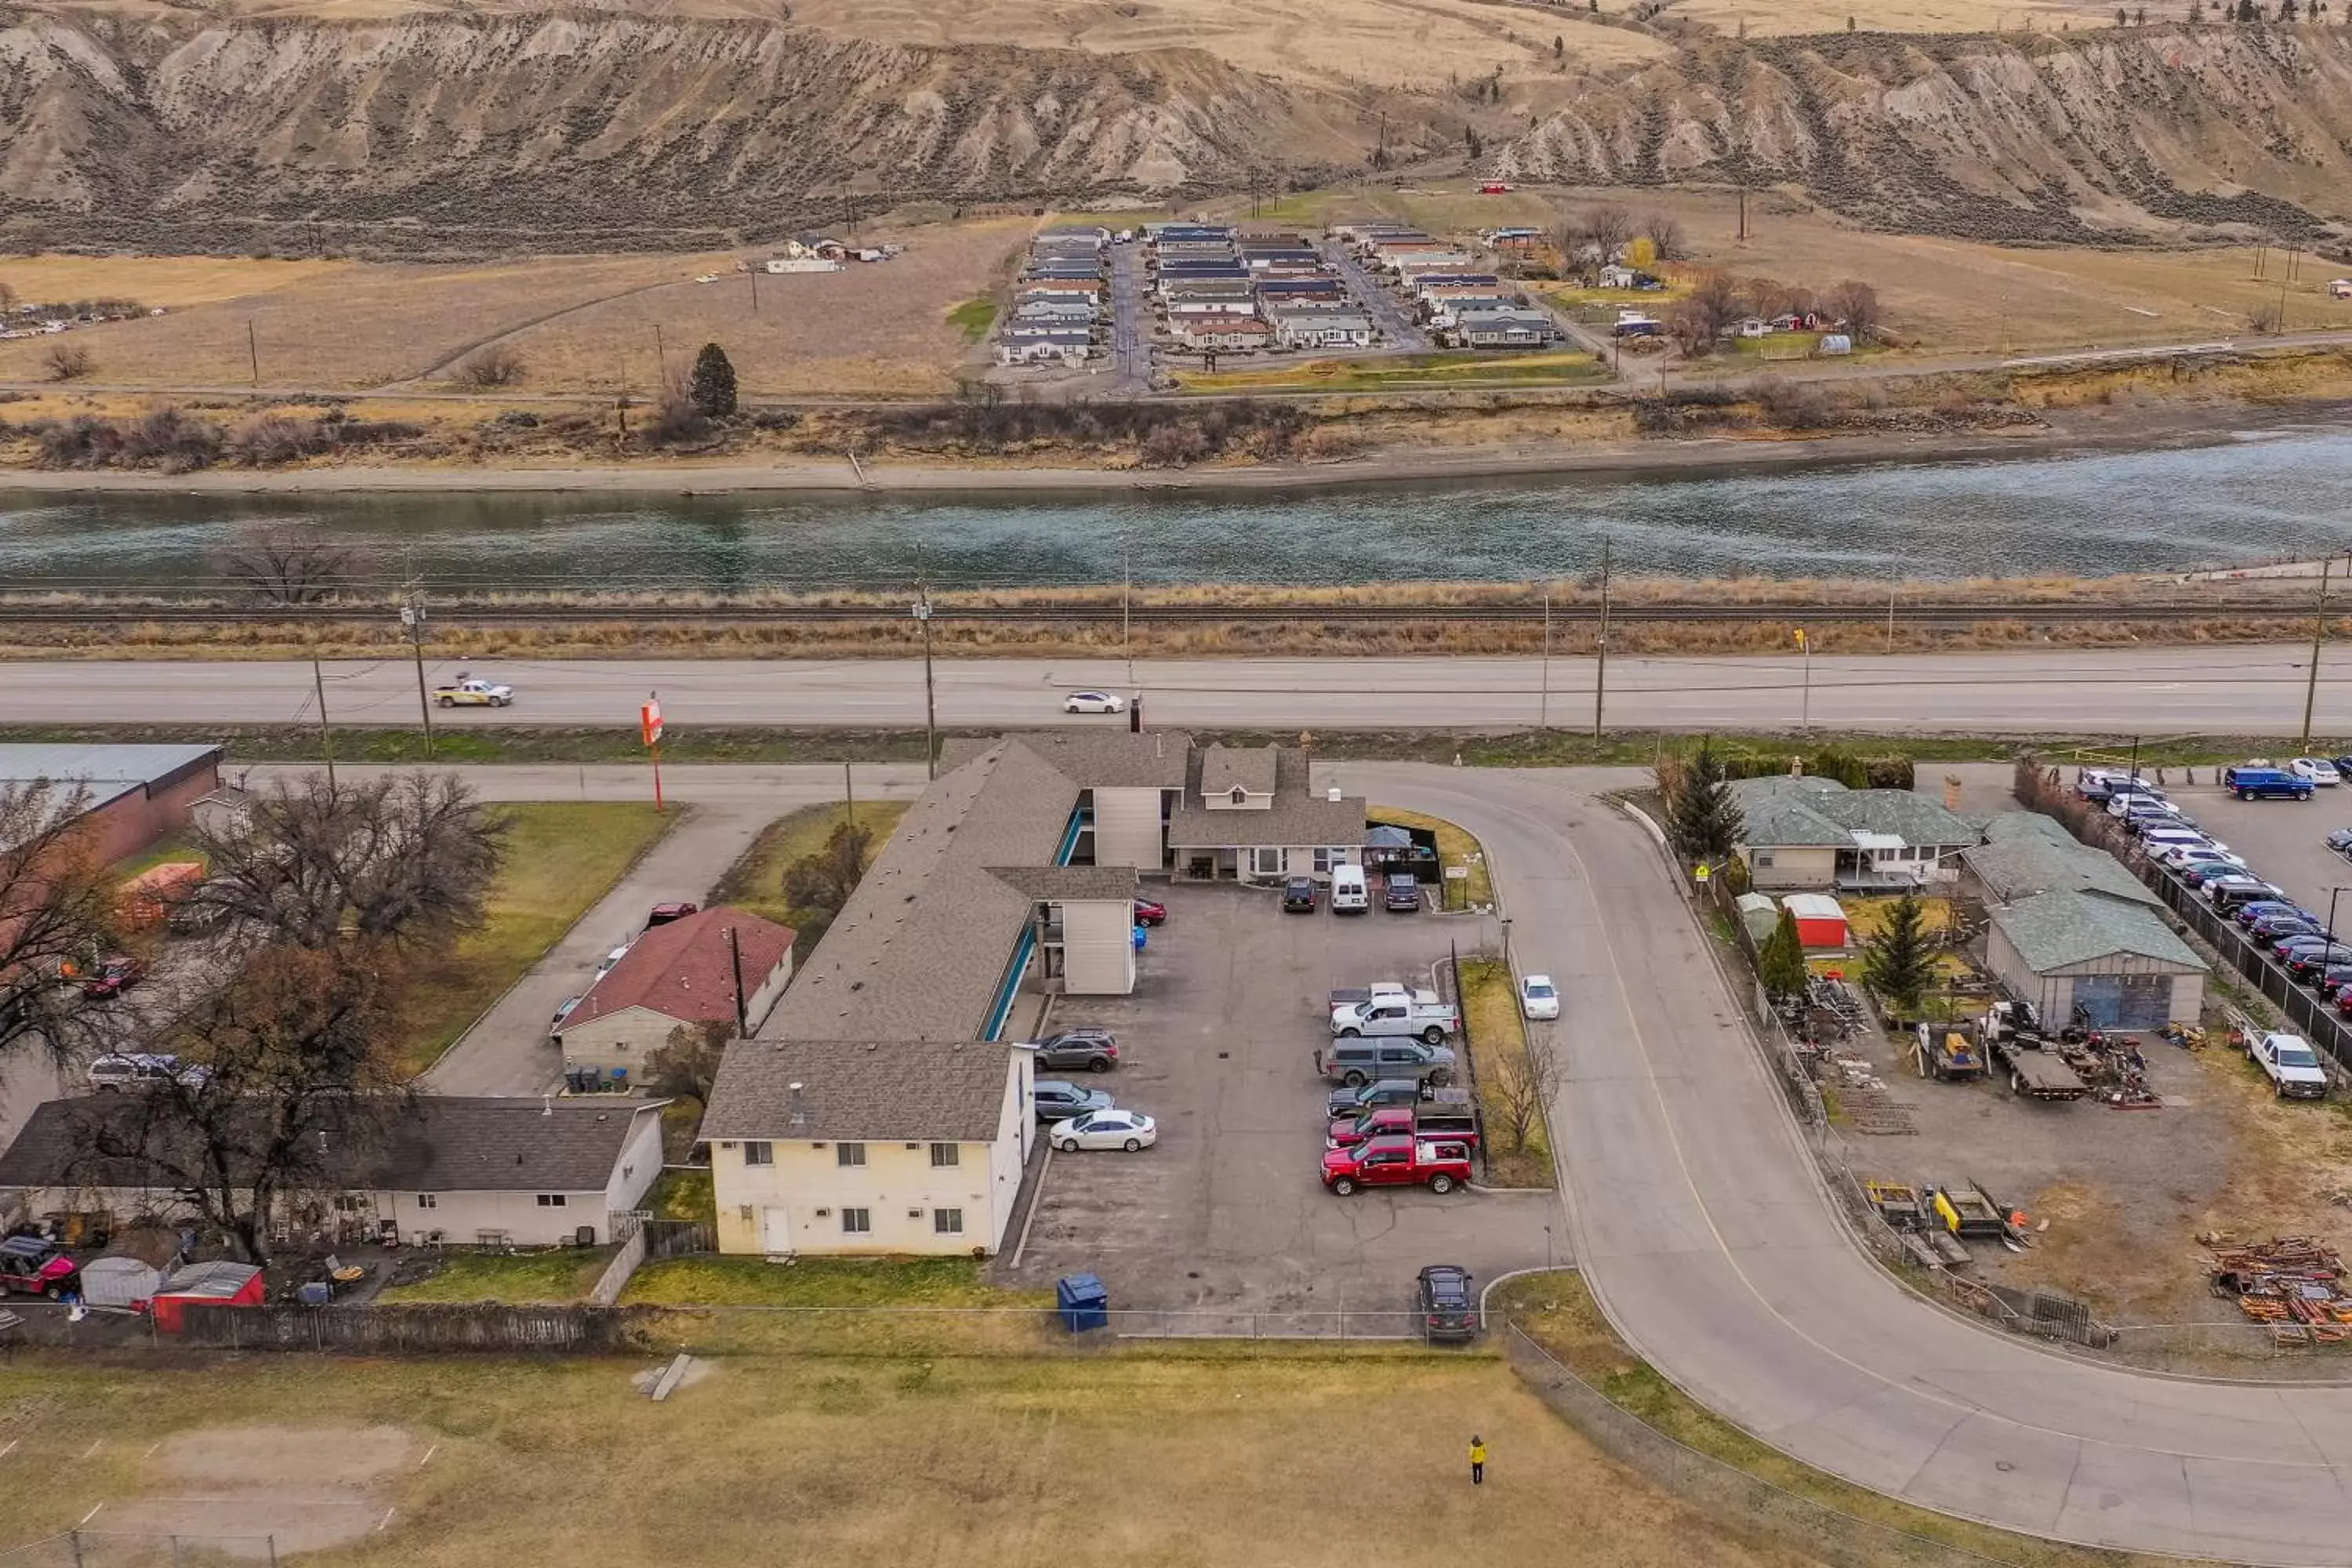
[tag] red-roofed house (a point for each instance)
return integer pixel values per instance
(682, 972)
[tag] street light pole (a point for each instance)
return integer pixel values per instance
(326, 731)
(1543, 703)
(412, 616)
(1805, 719)
(1600, 661)
(2318, 635)
(930, 696)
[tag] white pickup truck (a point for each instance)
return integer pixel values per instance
(1422, 1014)
(2291, 1065)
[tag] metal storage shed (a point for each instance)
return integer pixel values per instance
(1820, 921)
(123, 1282)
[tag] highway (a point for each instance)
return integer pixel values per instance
(1701, 1224)
(2172, 690)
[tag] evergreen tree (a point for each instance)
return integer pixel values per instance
(1703, 819)
(1780, 963)
(712, 388)
(1898, 961)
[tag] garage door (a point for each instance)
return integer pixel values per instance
(2125, 1001)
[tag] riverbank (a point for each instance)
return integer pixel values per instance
(2055, 433)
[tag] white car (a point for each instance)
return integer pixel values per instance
(1539, 998)
(1093, 702)
(1128, 1129)
(2188, 854)
(2318, 770)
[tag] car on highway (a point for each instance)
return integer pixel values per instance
(1448, 1310)
(1094, 702)
(1298, 896)
(2318, 770)
(1128, 1129)
(469, 692)
(1539, 998)
(1150, 912)
(112, 978)
(1081, 1049)
(1059, 1100)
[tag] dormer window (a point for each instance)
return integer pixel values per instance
(1240, 795)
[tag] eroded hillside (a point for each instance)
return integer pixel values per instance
(508, 131)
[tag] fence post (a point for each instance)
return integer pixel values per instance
(271, 1541)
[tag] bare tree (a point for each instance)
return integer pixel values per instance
(57, 907)
(819, 884)
(287, 566)
(403, 859)
(289, 1083)
(1608, 228)
(1665, 232)
(66, 362)
(1699, 318)
(685, 1065)
(489, 368)
(2263, 317)
(1524, 1089)
(1855, 304)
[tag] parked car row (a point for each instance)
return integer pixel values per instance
(1395, 1119)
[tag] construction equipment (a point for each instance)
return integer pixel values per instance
(1949, 1053)
(1966, 1209)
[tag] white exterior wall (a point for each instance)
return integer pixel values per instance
(807, 1177)
(639, 1166)
(463, 1217)
(1127, 829)
(1300, 862)
(1099, 947)
(618, 1039)
(1804, 868)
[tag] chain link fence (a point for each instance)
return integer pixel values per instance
(116, 1549)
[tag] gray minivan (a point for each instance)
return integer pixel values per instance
(1355, 1061)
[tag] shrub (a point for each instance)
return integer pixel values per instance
(496, 366)
(68, 361)
(168, 439)
(84, 441)
(1795, 406)
(1173, 447)
(673, 421)
(271, 438)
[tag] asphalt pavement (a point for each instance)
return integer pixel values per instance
(1702, 1227)
(2251, 690)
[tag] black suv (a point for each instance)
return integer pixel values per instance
(1079, 1050)
(1298, 896)
(1402, 894)
(1448, 1310)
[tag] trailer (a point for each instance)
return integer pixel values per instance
(2035, 1073)
(1951, 1055)
(1965, 1209)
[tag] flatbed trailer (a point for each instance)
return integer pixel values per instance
(2037, 1073)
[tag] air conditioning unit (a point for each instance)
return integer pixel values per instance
(913, 1213)
(824, 1214)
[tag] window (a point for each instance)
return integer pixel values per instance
(1240, 795)
(1266, 862)
(1327, 858)
(1763, 858)
(849, 1154)
(429, 1200)
(551, 1200)
(346, 1203)
(856, 1222)
(944, 1154)
(758, 1153)
(946, 1222)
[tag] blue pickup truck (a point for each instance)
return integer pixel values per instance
(2252, 781)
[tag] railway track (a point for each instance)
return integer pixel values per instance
(1099, 611)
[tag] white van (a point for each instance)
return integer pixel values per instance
(1349, 894)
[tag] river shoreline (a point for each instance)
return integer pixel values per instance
(2061, 433)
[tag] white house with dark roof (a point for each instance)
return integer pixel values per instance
(1249, 815)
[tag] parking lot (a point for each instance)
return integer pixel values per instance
(2279, 838)
(1227, 1215)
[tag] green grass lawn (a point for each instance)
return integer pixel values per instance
(756, 882)
(1498, 1039)
(1455, 847)
(177, 847)
(973, 318)
(684, 1194)
(708, 1281)
(561, 858)
(563, 1274)
(1464, 367)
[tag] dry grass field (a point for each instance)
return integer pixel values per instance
(582, 323)
(976, 1461)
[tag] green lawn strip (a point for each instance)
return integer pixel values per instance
(973, 318)
(174, 847)
(684, 1194)
(1558, 1313)
(707, 1280)
(561, 858)
(756, 880)
(562, 1274)
(1499, 1039)
(1455, 847)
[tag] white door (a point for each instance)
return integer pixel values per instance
(775, 1231)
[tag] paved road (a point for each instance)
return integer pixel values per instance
(1389, 310)
(2158, 690)
(1700, 1224)
(507, 1051)
(1131, 325)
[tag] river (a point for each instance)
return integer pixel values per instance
(2251, 496)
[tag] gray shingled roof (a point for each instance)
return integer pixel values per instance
(1299, 817)
(950, 1091)
(2021, 859)
(434, 1142)
(922, 948)
(1251, 767)
(1060, 882)
(1097, 758)
(2057, 931)
(1788, 812)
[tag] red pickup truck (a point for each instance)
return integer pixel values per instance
(1457, 1123)
(1396, 1160)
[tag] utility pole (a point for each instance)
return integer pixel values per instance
(1543, 703)
(1892, 589)
(326, 731)
(850, 792)
(2318, 635)
(1126, 603)
(661, 361)
(755, 288)
(253, 349)
(931, 691)
(412, 616)
(1600, 664)
(735, 957)
(1805, 644)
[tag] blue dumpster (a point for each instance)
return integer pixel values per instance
(1083, 1303)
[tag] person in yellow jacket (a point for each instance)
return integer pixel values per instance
(1477, 1461)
